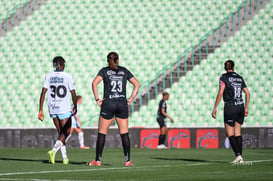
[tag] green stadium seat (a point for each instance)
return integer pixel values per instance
(85, 33)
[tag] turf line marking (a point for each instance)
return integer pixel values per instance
(258, 161)
(80, 170)
(197, 164)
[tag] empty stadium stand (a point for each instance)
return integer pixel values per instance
(148, 35)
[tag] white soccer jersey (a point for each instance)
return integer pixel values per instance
(59, 84)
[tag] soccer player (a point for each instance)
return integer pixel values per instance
(231, 86)
(59, 85)
(114, 104)
(162, 118)
(76, 125)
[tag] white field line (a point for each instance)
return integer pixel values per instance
(115, 168)
(258, 161)
(197, 164)
(80, 170)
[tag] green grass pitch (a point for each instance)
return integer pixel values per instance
(149, 164)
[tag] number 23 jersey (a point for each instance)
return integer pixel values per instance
(115, 82)
(59, 84)
(234, 84)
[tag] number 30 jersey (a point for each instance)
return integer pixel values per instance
(115, 82)
(59, 84)
(234, 85)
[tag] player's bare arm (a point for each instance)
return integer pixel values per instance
(41, 104)
(95, 83)
(136, 85)
(218, 99)
(166, 115)
(74, 100)
(247, 98)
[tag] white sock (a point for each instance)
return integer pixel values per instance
(57, 146)
(63, 151)
(81, 139)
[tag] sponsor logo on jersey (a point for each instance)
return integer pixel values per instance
(121, 73)
(114, 77)
(111, 72)
(115, 96)
(233, 79)
(239, 102)
(55, 80)
(53, 106)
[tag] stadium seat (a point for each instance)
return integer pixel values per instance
(85, 31)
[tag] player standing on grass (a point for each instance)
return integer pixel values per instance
(161, 119)
(76, 125)
(231, 87)
(59, 85)
(114, 104)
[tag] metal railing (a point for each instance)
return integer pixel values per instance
(9, 20)
(184, 56)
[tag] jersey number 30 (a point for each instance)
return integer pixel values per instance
(60, 91)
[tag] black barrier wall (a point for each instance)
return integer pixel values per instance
(45, 138)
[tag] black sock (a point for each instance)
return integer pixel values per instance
(234, 145)
(126, 146)
(160, 139)
(100, 146)
(240, 143)
(163, 139)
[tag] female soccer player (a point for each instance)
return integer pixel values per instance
(161, 119)
(231, 86)
(76, 125)
(58, 83)
(114, 104)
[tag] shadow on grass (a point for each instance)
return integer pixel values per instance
(44, 161)
(189, 160)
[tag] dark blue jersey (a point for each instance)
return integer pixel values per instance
(234, 84)
(115, 82)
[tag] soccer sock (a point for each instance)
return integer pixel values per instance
(100, 146)
(57, 146)
(126, 146)
(63, 151)
(234, 145)
(240, 143)
(163, 139)
(160, 139)
(81, 139)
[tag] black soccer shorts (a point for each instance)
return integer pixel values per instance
(117, 108)
(162, 122)
(234, 113)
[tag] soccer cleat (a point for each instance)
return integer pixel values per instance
(51, 155)
(65, 161)
(238, 159)
(127, 164)
(162, 146)
(94, 163)
(85, 147)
